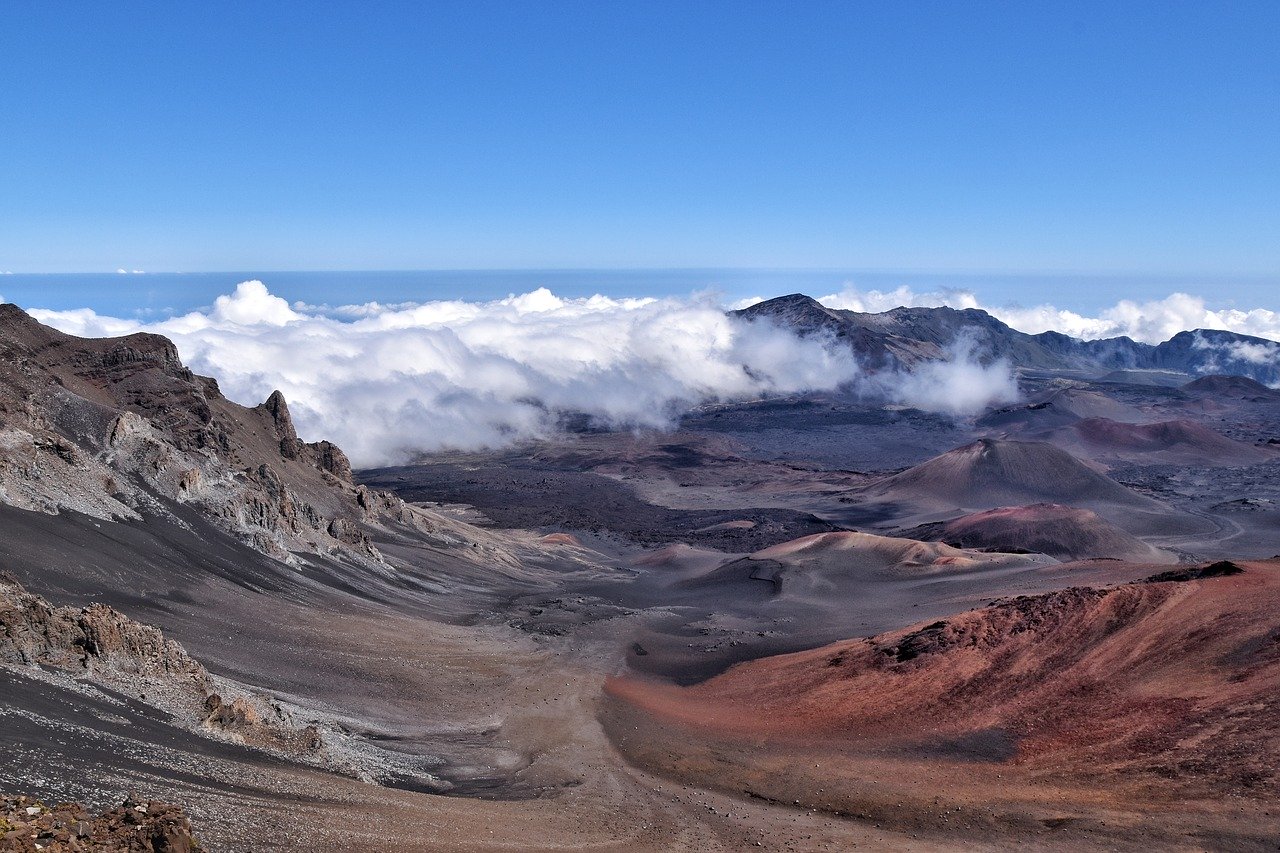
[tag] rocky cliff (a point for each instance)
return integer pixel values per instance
(118, 428)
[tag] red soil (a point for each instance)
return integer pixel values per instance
(561, 539)
(1164, 680)
(1178, 440)
(1059, 531)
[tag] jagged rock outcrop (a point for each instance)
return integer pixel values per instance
(331, 458)
(96, 641)
(136, 826)
(115, 427)
(103, 646)
(278, 409)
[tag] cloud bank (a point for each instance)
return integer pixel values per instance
(385, 381)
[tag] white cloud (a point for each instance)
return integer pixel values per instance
(251, 305)
(959, 385)
(383, 381)
(386, 380)
(876, 301)
(1259, 353)
(85, 322)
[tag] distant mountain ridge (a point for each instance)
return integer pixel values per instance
(902, 337)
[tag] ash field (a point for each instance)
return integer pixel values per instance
(808, 621)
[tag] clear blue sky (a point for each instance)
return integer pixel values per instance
(892, 135)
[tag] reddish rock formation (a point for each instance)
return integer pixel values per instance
(1059, 531)
(135, 826)
(1175, 680)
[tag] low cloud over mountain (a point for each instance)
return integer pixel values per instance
(386, 381)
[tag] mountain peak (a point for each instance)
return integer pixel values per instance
(276, 407)
(20, 327)
(902, 337)
(789, 308)
(790, 299)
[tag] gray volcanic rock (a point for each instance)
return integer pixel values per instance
(1146, 377)
(1057, 408)
(100, 645)
(114, 427)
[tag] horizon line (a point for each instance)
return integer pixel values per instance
(1008, 272)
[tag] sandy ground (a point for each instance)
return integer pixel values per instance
(490, 678)
(1136, 716)
(530, 712)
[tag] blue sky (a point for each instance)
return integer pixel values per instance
(1023, 136)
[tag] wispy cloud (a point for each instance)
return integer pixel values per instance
(960, 385)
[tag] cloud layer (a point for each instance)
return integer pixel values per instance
(384, 381)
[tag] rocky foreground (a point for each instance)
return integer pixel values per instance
(100, 645)
(134, 826)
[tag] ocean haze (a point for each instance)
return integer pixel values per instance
(156, 295)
